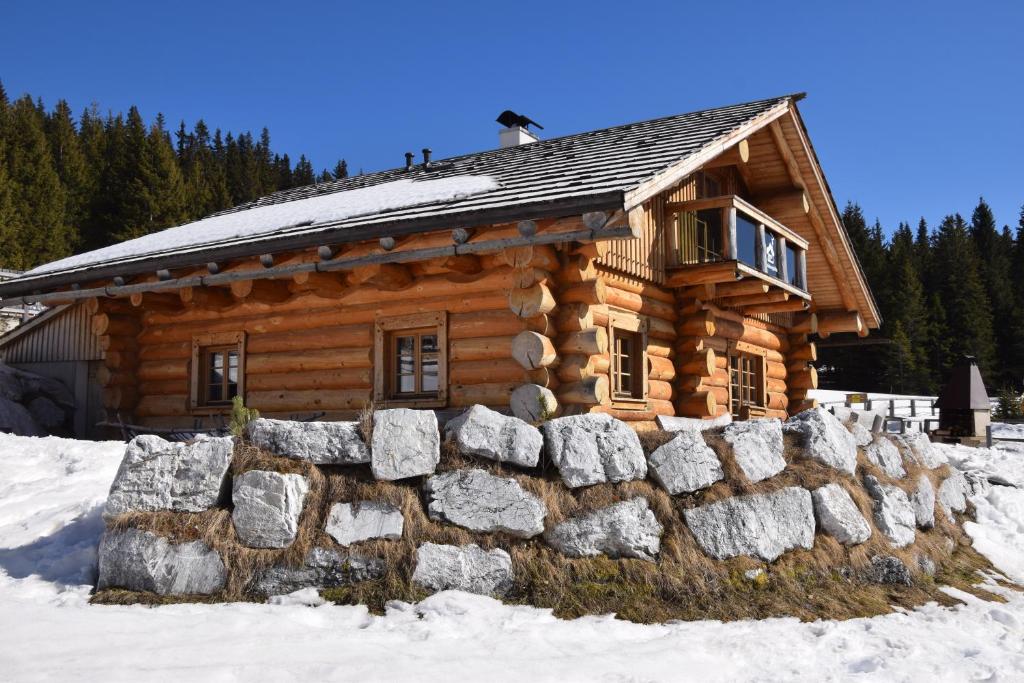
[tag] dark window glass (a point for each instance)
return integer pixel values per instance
(746, 239)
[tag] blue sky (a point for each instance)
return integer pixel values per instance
(914, 108)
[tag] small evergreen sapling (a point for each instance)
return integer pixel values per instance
(241, 416)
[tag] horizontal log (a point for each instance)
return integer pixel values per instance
(808, 352)
(462, 395)
(805, 323)
(334, 337)
(742, 288)
(162, 387)
(110, 343)
(700, 324)
(533, 350)
(590, 292)
(269, 291)
(776, 370)
(697, 404)
(778, 307)
(659, 390)
(705, 292)
(719, 394)
(656, 328)
(659, 368)
(572, 317)
(807, 379)
(181, 349)
(212, 298)
(588, 342)
(299, 361)
(777, 401)
(173, 405)
(590, 391)
(328, 285)
(480, 348)
(486, 371)
(151, 370)
(700, 363)
(646, 413)
(120, 398)
(659, 349)
(575, 367)
(830, 322)
(389, 277)
(106, 377)
(114, 325)
(776, 385)
(702, 274)
(728, 329)
(531, 301)
(344, 378)
(751, 300)
(638, 303)
(308, 400)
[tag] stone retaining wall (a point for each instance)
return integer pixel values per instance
(318, 506)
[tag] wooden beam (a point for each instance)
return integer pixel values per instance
(711, 273)
(737, 155)
(778, 307)
(268, 291)
(755, 299)
(744, 287)
(830, 322)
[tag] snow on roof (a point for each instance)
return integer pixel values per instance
(274, 219)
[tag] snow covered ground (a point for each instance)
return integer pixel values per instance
(51, 490)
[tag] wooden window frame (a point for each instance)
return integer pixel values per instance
(626, 322)
(384, 332)
(739, 351)
(201, 345)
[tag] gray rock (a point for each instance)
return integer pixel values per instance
(867, 418)
(685, 464)
(671, 423)
(466, 568)
(893, 512)
(350, 523)
(882, 453)
(826, 439)
(321, 568)
(489, 434)
(889, 570)
(15, 419)
(162, 475)
(923, 500)
(838, 515)
(20, 386)
(760, 525)
(594, 448)
(842, 413)
(480, 501)
(46, 413)
(267, 507)
(625, 529)
(926, 564)
(953, 492)
(532, 403)
(918, 447)
(757, 447)
(321, 443)
(862, 436)
(142, 561)
(405, 443)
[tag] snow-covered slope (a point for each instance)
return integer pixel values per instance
(50, 490)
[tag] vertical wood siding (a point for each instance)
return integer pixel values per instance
(65, 337)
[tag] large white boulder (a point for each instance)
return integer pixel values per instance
(267, 507)
(757, 447)
(142, 561)
(763, 525)
(685, 464)
(918, 447)
(953, 492)
(625, 529)
(671, 423)
(350, 523)
(923, 500)
(826, 439)
(162, 475)
(466, 568)
(882, 453)
(893, 512)
(594, 448)
(321, 443)
(480, 501)
(321, 568)
(489, 434)
(838, 515)
(862, 436)
(405, 443)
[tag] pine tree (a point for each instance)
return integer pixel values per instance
(340, 170)
(968, 311)
(70, 164)
(38, 199)
(303, 173)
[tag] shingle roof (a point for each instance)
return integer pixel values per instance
(575, 173)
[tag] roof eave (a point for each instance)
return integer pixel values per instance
(606, 201)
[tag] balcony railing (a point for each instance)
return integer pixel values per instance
(729, 228)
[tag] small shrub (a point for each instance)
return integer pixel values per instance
(1009, 404)
(241, 416)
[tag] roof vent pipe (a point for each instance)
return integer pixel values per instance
(408, 160)
(426, 157)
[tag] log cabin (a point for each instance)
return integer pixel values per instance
(681, 266)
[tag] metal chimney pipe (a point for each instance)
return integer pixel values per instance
(408, 160)
(426, 157)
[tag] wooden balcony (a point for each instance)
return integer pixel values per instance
(737, 252)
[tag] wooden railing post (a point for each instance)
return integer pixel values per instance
(730, 247)
(759, 256)
(801, 269)
(780, 258)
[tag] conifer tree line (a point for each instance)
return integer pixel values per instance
(70, 184)
(944, 292)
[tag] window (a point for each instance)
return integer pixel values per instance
(627, 339)
(410, 360)
(746, 383)
(699, 236)
(218, 369)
